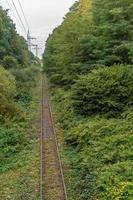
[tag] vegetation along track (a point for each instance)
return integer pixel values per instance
(52, 185)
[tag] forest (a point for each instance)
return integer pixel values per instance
(89, 62)
(18, 145)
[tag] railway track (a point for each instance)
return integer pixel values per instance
(52, 185)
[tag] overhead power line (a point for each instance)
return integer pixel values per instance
(20, 19)
(23, 14)
(11, 9)
(19, 16)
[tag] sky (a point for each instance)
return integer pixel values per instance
(42, 16)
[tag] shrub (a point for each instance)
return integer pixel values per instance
(103, 149)
(9, 62)
(14, 143)
(105, 91)
(25, 82)
(7, 93)
(12, 140)
(23, 75)
(61, 100)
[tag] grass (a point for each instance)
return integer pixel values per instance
(19, 156)
(21, 182)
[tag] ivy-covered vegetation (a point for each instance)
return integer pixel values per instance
(18, 142)
(89, 62)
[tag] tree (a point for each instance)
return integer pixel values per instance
(61, 47)
(11, 43)
(110, 41)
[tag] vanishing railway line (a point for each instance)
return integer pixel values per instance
(52, 185)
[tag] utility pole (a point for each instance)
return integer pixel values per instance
(36, 48)
(29, 38)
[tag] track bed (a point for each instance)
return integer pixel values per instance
(52, 179)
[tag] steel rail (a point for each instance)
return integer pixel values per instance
(42, 195)
(41, 141)
(57, 146)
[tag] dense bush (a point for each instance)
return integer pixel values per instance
(62, 104)
(7, 94)
(104, 149)
(12, 141)
(9, 62)
(104, 91)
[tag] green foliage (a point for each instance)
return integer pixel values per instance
(15, 57)
(18, 107)
(110, 39)
(7, 83)
(91, 56)
(92, 33)
(20, 182)
(104, 149)
(26, 82)
(62, 104)
(104, 91)
(13, 47)
(7, 94)
(99, 152)
(9, 62)
(17, 141)
(15, 115)
(62, 45)
(12, 142)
